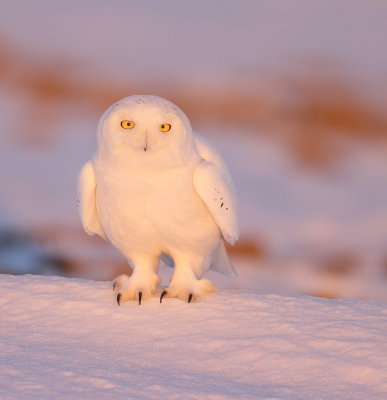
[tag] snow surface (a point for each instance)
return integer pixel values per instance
(68, 339)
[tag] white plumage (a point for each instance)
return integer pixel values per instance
(156, 188)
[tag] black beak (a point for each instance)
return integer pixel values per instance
(146, 143)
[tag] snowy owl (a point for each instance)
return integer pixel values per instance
(157, 190)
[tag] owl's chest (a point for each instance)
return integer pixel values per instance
(154, 195)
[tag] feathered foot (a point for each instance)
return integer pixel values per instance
(188, 287)
(137, 287)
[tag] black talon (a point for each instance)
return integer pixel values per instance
(118, 298)
(162, 295)
(139, 298)
(189, 298)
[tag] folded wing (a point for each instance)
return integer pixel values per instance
(215, 187)
(87, 201)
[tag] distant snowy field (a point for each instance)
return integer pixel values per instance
(68, 339)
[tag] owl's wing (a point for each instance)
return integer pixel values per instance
(214, 185)
(87, 201)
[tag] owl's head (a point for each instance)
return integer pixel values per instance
(147, 130)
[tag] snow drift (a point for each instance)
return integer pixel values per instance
(67, 338)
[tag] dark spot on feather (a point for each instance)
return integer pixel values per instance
(222, 205)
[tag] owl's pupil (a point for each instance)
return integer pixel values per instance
(163, 126)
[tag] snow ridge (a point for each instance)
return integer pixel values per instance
(67, 338)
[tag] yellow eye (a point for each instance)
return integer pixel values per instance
(165, 127)
(127, 124)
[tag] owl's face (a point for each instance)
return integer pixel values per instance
(146, 129)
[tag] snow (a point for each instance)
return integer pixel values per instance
(67, 338)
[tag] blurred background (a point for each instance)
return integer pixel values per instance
(293, 94)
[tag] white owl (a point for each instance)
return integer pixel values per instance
(156, 189)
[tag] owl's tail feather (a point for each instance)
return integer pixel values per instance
(222, 262)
